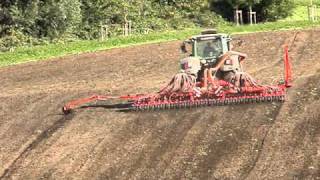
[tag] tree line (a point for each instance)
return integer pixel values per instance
(267, 10)
(37, 21)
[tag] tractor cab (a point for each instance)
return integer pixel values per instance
(207, 47)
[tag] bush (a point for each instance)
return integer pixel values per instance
(14, 39)
(272, 10)
(267, 10)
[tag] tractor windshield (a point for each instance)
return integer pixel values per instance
(209, 48)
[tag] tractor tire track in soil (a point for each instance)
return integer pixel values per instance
(42, 137)
(167, 144)
(266, 140)
(291, 44)
(261, 145)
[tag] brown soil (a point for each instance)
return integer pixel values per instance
(254, 141)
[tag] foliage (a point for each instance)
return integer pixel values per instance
(53, 20)
(145, 15)
(306, 2)
(268, 10)
(300, 13)
(25, 54)
(275, 9)
(36, 22)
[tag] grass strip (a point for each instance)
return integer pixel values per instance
(43, 52)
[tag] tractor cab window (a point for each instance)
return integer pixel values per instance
(209, 48)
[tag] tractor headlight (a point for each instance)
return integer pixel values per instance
(203, 61)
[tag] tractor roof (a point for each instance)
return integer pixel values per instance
(204, 36)
(208, 33)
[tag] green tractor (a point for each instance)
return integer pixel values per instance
(206, 49)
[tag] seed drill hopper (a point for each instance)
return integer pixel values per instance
(197, 84)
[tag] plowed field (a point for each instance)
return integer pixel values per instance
(253, 141)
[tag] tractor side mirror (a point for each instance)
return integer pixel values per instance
(183, 48)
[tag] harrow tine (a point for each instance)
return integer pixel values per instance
(205, 102)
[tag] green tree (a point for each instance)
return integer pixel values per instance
(6, 17)
(272, 10)
(251, 3)
(267, 10)
(58, 17)
(236, 3)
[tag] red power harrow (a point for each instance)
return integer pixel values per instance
(217, 92)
